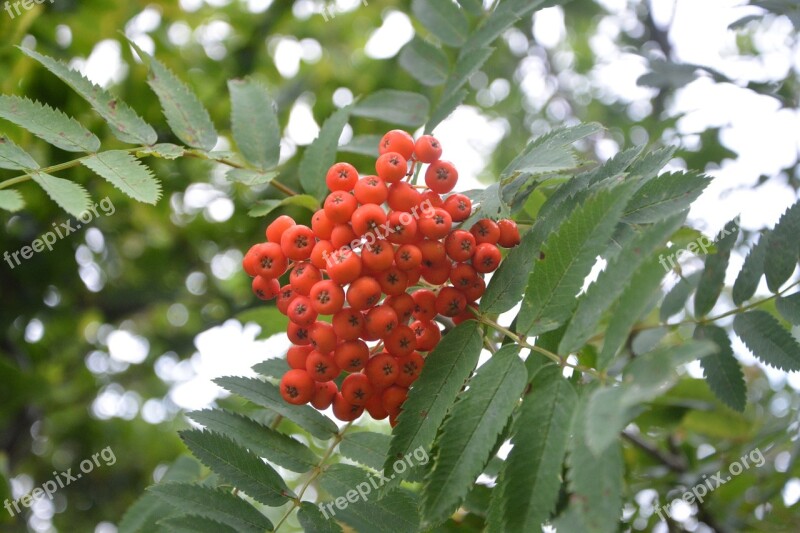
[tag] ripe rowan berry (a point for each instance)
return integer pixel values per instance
(277, 227)
(265, 288)
(436, 274)
(345, 268)
(391, 167)
(250, 261)
(301, 312)
(403, 196)
(323, 338)
(450, 301)
(304, 275)
(403, 304)
(371, 190)
(410, 367)
(382, 370)
(357, 389)
(363, 293)
(351, 356)
(321, 367)
(380, 320)
(459, 206)
(475, 290)
(341, 177)
(402, 226)
(339, 206)
(441, 176)
(324, 393)
(343, 236)
(344, 410)
(425, 304)
(378, 256)
(401, 341)
(413, 276)
(436, 224)
(460, 245)
(397, 141)
(408, 257)
(509, 234)
(271, 260)
(462, 276)
(433, 253)
(348, 324)
(296, 356)
(485, 230)
(367, 218)
(297, 242)
(487, 258)
(427, 334)
(297, 387)
(393, 398)
(429, 200)
(393, 281)
(326, 297)
(427, 149)
(322, 225)
(285, 297)
(320, 254)
(298, 334)
(374, 406)
(465, 315)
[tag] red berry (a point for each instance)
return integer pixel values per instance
(487, 258)
(297, 387)
(410, 368)
(381, 320)
(323, 338)
(351, 356)
(357, 389)
(278, 226)
(339, 206)
(321, 367)
(460, 245)
(363, 293)
(408, 257)
(371, 190)
(343, 236)
(436, 224)
(367, 218)
(324, 393)
(271, 260)
(298, 334)
(397, 141)
(450, 301)
(427, 334)
(393, 281)
(427, 149)
(345, 268)
(374, 407)
(391, 167)
(436, 274)
(301, 312)
(348, 324)
(459, 206)
(441, 176)
(266, 288)
(344, 410)
(402, 227)
(403, 196)
(304, 275)
(382, 370)
(401, 341)
(326, 297)
(485, 230)
(296, 356)
(341, 177)
(425, 301)
(322, 225)
(509, 234)
(285, 297)
(393, 398)
(297, 242)
(403, 304)
(378, 256)
(320, 254)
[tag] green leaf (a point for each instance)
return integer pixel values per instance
(264, 207)
(470, 431)
(446, 369)
(508, 282)
(789, 308)
(466, 65)
(675, 299)
(267, 395)
(666, 195)
(504, 15)
(487, 203)
(712, 280)
(473, 6)
(70, 196)
(397, 107)
(425, 62)
(781, 252)
(638, 298)
(567, 258)
(149, 508)
(611, 282)
(11, 200)
(321, 154)
(126, 173)
(647, 166)
(13, 157)
(550, 152)
(251, 177)
(195, 524)
(528, 484)
(125, 124)
(443, 19)
(768, 340)
(259, 439)
(163, 150)
(186, 116)
(311, 519)
(216, 504)
(753, 268)
(595, 484)
(363, 145)
(274, 367)
(50, 125)
(722, 371)
(243, 469)
(366, 447)
(255, 123)
(446, 105)
(395, 512)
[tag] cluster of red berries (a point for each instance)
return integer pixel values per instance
(358, 253)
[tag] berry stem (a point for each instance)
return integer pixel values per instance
(200, 154)
(315, 473)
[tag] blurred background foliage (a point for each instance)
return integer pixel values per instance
(149, 279)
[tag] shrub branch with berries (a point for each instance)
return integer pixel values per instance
(383, 258)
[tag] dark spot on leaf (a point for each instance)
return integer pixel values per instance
(541, 256)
